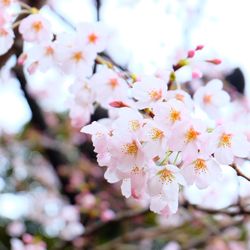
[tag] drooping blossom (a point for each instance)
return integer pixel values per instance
(35, 28)
(227, 143)
(211, 97)
(148, 91)
(202, 171)
(93, 34)
(164, 188)
(109, 87)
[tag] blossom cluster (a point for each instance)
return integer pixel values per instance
(154, 141)
(159, 143)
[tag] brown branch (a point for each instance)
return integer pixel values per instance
(169, 233)
(239, 210)
(203, 239)
(239, 172)
(119, 218)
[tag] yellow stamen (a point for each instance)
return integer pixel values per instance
(113, 82)
(156, 134)
(130, 148)
(225, 140)
(134, 125)
(175, 115)
(37, 26)
(155, 95)
(77, 56)
(200, 165)
(191, 135)
(92, 38)
(166, 175)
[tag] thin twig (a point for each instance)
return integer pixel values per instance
(119, 218)
(239, 172)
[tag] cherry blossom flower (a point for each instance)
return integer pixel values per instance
(188, 137)
(75, 58)
(130, 120)
(164, 188)
(148, 91)
(93, 34)
(42, 57)
(135, 183)
(109, 87)
(6, 39)
(182, 96)
(202, 171)
(227, 142)
(35, 28)
(81, 102)
(100, 138)
(126, 151)
(170, 113)
(211, 97)
(156, 138)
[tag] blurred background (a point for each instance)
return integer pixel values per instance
(51, 189)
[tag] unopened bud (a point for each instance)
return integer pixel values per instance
(22, 58)
(199, 47)
(215, 61)
(191, 53)
(118, 104)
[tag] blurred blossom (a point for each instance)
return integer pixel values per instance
(16, 228)
(172, 246)
(86, 201)
(72, 230)
(107, 215)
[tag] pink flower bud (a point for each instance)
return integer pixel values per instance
(22, 58)
(215, 61)
(199, 47)
(191, 54)
(118, 104)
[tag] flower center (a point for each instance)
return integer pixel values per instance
(207, 99)
(191, 135)
(134, 125)
(175, 115)
(200, 165)
(155, 95)
(77, 56)
(49, 51)
(156, 134)
(113, 83)
(92, 38)
(166, 175)
(131, 148)
(137, 170)
(225, 140)
(37, 26)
